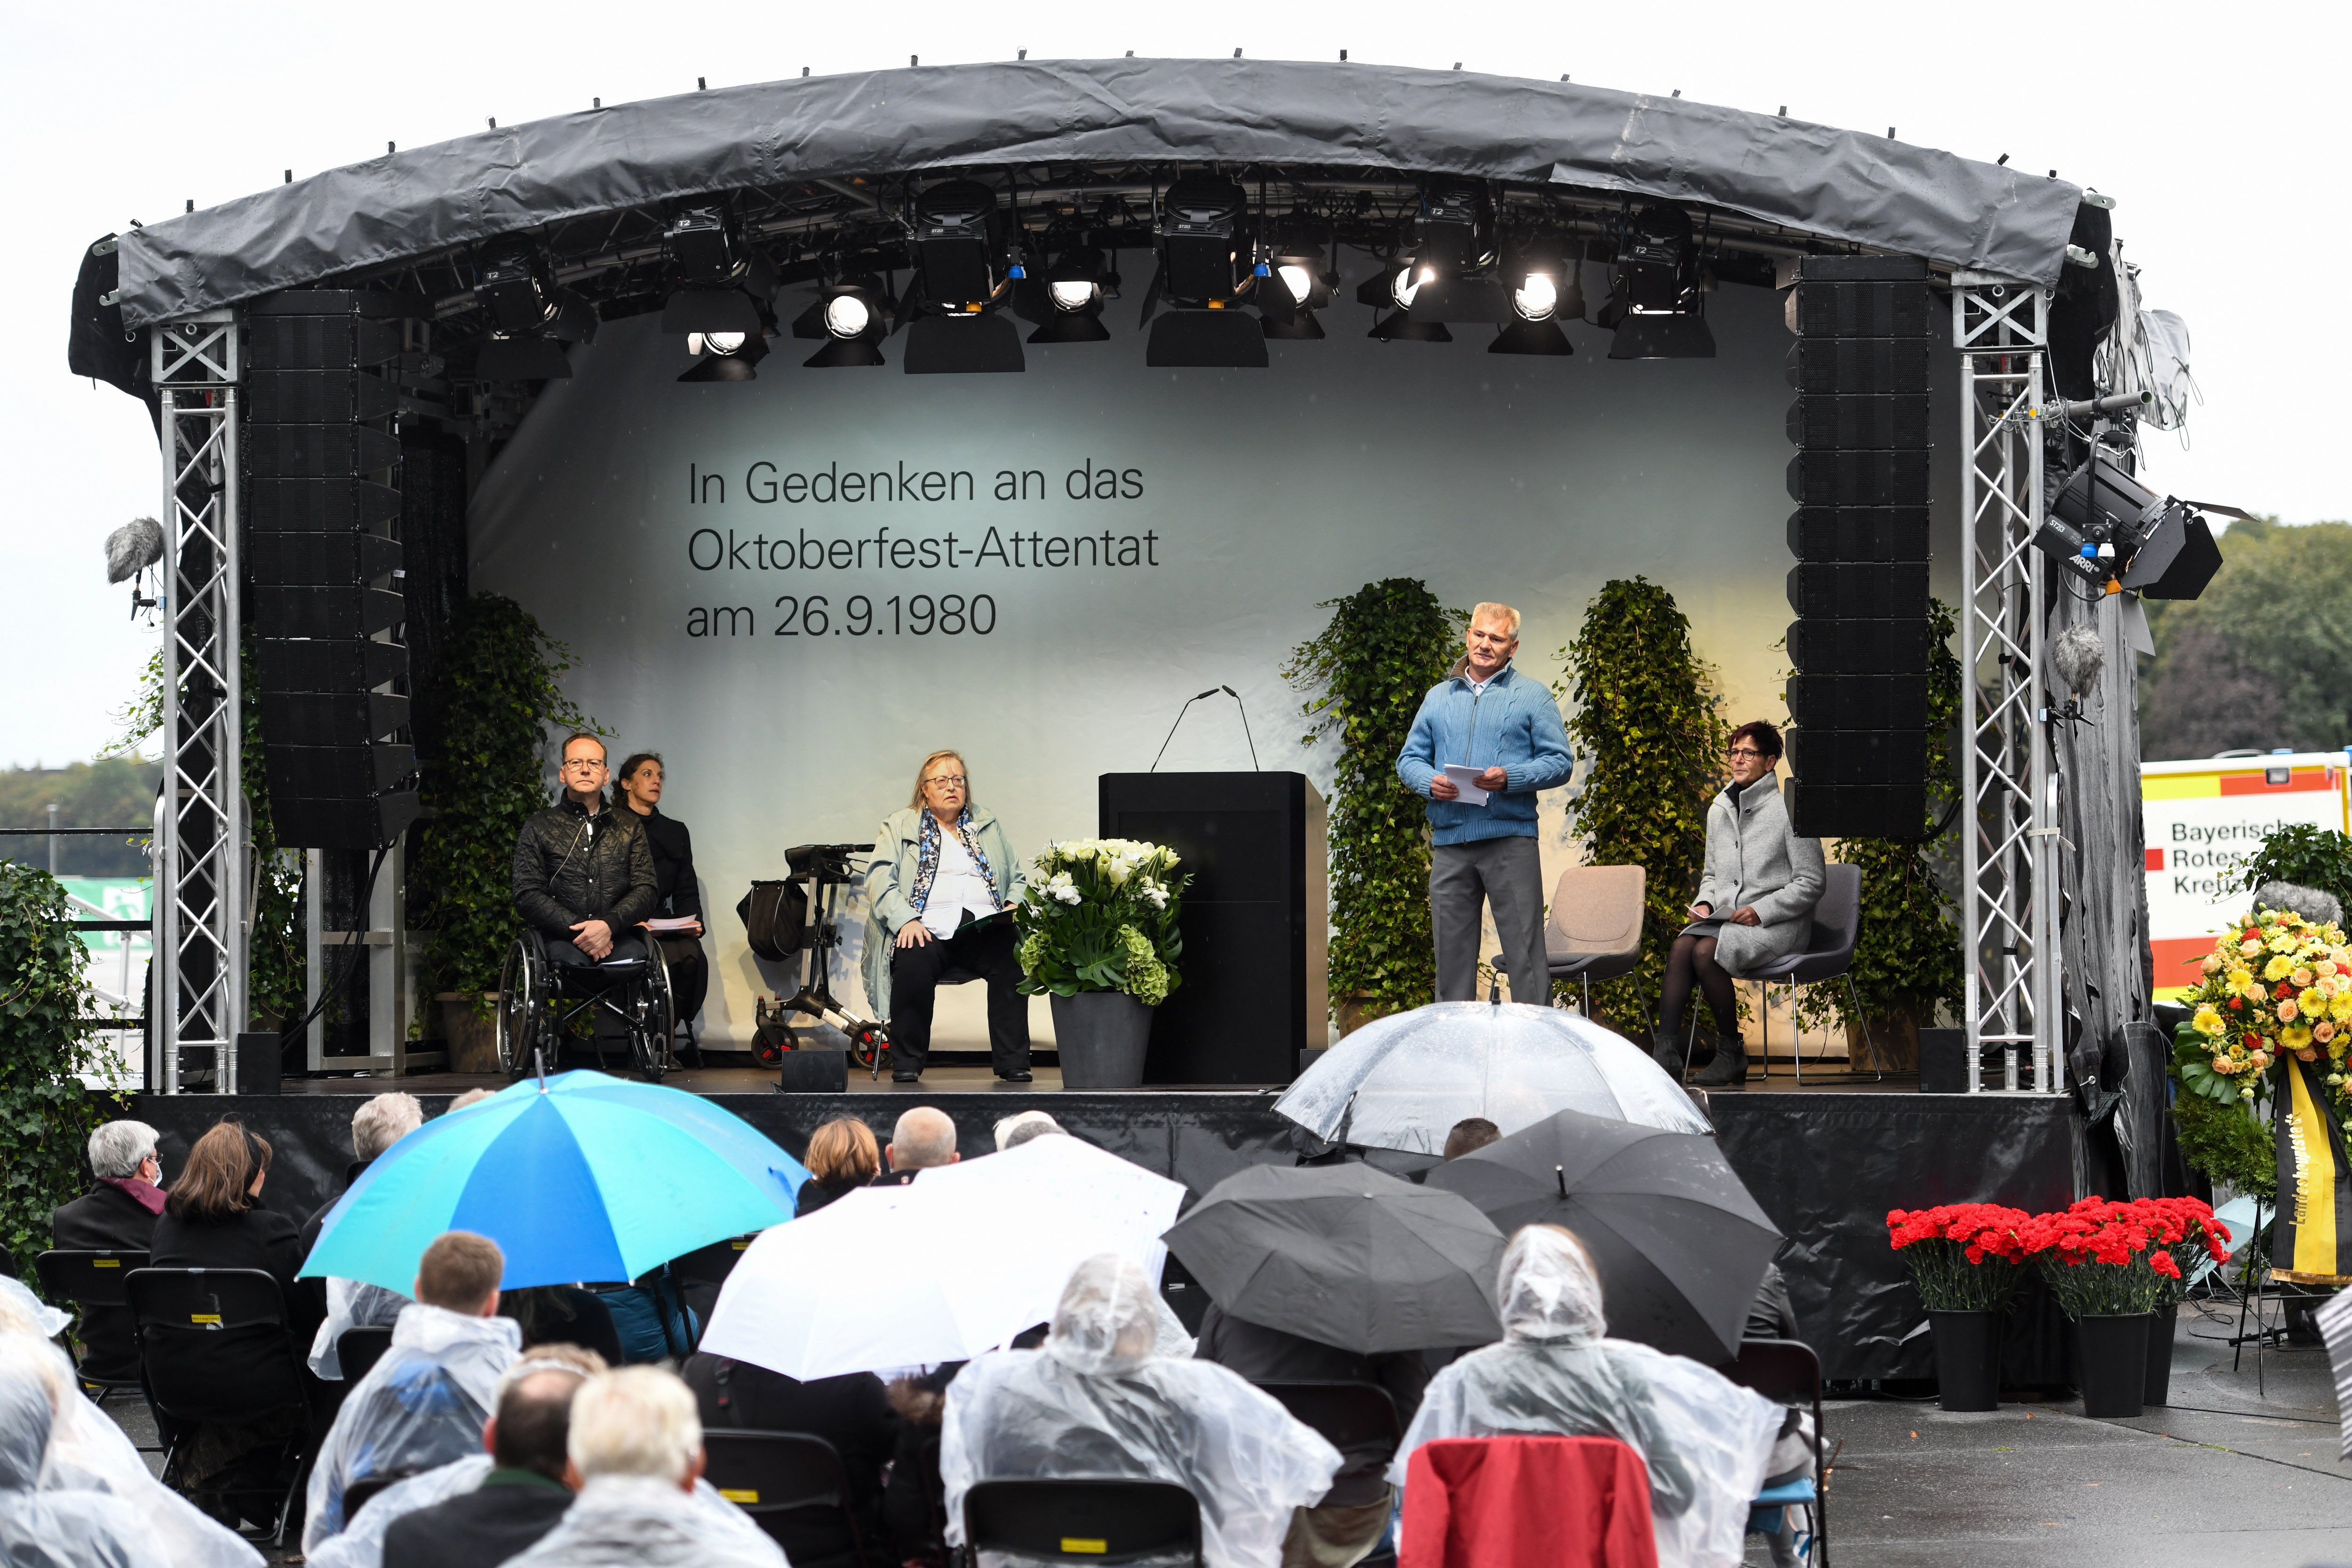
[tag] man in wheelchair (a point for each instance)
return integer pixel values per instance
(584, 879)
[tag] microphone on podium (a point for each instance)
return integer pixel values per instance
(1188, 708)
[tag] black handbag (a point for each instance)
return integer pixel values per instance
(775, 917)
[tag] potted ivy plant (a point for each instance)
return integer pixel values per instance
(1965, 1259)
(2106, 1264)
(1100, 938)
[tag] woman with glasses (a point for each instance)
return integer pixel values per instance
(941, 885)
(1755, 904)
(678, 894)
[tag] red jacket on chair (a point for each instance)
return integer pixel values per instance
(1526, 1502)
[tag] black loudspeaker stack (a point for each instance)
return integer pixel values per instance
(323, 487)
(1858, 700)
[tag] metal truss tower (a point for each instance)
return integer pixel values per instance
(200, 869)
(2009, 896)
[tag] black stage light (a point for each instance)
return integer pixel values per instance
(1071, 298)
(1202, 240)
(1542, 286)
(962, 274)
(1295, 286)
(714, 280)
(851, 318)
(530, 318)
(1658, 273)
(725, 356)
(1453, 256)
(2103, 525)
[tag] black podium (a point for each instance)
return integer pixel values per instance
(1255, 919)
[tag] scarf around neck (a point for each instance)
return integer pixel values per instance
(927, 857)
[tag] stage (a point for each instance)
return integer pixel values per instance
(1826, 1162)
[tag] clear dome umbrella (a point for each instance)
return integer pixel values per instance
(1402, 1081)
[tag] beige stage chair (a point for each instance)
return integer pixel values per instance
(1595, 929)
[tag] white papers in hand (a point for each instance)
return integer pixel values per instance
(1465, 781)
(666, 923)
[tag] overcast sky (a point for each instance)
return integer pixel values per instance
(2218, 128)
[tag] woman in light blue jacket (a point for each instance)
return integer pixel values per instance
(943, 887)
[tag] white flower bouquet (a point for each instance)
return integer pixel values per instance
(1101, 915)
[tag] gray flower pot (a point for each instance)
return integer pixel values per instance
(1102, 1036)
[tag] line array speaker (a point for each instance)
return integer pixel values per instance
(322, 457)
(1858, 702)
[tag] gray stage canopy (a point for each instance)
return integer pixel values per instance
(1814, 180)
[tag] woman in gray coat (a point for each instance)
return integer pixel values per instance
(942, 885)
(1755, 903)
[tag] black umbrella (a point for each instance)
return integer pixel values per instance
(1346, 1255)
(1679, 1242)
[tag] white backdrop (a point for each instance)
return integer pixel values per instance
(629, 508)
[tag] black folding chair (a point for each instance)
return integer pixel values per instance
(793, 1487)
(94, 1279)
(190, 1320)
(1081, 1520)
(1789, 1373)
(358, 1348)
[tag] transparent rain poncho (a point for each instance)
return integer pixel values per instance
(1101, 1399)
(420, 1406)
(1704, 1439)
(640, 1522)
(1402, 1081)
(351, 1304)
(87, 1473)
(361, 1543)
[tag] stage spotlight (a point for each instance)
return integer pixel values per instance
(2103, 525)
(1294, 288)
(725, 356)
(1658, 273)
(962, 274)
(716, 283)
(852, 319)
(1075, 290)
(1543, 289)
(1202, 238)
(530, 318)
(1454, 257)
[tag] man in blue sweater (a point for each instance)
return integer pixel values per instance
(1486, 715)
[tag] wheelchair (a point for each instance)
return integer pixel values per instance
(540, 1000)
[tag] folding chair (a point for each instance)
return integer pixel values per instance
(1081, 1520)
(94, 1279)
(358, 1348)
(793, 1487)
(1788, 1373)
(186, 1319)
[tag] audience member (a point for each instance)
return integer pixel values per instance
(851, 1412)
(363, 1540)
(1772, 1315)
(1470, 1133)
(636, 1459)
(1348, 1522)
(523, 1494)
(923, 1139)
(72, 1488)
(380, 1121)
(472, 1097)
(1704, 1439)
(213, 1218)
(842, 1154)
(425, 1401)
(117, 1215)
(1098, 1400)
(1022, 1126)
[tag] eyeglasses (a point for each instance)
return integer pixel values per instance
(1746, 752)
(586, 764)
(946, 781)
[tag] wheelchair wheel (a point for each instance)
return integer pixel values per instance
(654, 1017)
(522, 1009)
(869, 1046)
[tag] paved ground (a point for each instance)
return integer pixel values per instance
(2227, 1473)
(2235, 1472)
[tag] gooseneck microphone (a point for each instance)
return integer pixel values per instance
(1188, 708)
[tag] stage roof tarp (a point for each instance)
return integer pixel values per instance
(1840, 185)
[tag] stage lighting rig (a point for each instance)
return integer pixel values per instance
(1541, 283)
(1206, 263)
(963, 274)
(717, 283)
(2107, 528)
(851, 318)
(1660, 314)
(530, 319)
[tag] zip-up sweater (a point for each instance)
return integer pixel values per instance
(1513, 724)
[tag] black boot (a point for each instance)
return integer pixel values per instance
(1667, 1050)
(1730, 1065)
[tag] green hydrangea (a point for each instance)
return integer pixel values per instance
(1031, 951)
(1146, 977)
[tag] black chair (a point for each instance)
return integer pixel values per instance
(701, 1274)
(193, 1320)
(356, 1494)
(564, 1315)
(1789, 1373)
(1082, 1520)
(358, 1348)
(795, 1488)
(87, 1279)
(540, 999)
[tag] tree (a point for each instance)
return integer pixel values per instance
(2263, 657)
(1649, 726)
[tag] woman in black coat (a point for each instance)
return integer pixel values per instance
(677, 895)
(214, 1219)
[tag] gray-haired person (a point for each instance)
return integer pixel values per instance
(1755, 903)
(117, 1215)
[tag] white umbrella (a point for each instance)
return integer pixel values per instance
(1402, 1081)
(957, 1262)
